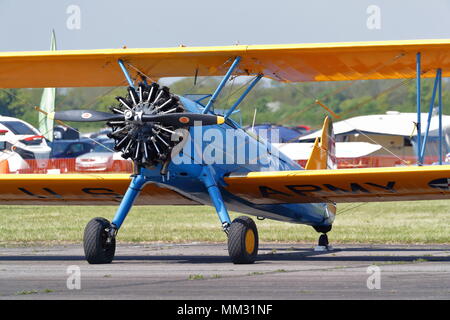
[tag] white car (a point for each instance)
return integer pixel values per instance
(103, 158)
(22, 138)
(10, 161)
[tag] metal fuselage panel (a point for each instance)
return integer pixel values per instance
(228, 149)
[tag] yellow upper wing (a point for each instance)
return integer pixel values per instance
(343, 185)
(81, 189)
(296, 62)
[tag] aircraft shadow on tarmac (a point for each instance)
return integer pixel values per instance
(267, 254)
(375, 255)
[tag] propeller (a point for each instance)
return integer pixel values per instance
(84, 116)
(143, 123)
(172, 119)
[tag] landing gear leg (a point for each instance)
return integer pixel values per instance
(208, 180)
(242, 233)
(99, 240)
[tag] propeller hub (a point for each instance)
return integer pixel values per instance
(128, 114)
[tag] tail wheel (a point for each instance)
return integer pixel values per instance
(323, 240)
(243, 241)
(97, 247)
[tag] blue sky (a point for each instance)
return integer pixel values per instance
(27, 24)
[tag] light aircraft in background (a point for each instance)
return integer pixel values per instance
(182, 150)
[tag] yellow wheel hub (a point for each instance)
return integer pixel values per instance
(249, 241)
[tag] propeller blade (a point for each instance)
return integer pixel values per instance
(184, 119)
(85, 116)
(172, 119)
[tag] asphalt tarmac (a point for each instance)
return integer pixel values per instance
(203, 271)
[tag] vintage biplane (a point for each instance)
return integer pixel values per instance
(159, 131)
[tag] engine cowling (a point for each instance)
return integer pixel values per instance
(146, 143)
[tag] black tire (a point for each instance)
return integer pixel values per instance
(243, 241)
(96, 248)
(323, 240)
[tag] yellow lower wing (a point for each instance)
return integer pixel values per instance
(80, 189)
(344, 185)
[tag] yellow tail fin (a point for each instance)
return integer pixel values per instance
(323, 154)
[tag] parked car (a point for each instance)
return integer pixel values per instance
(103, 158)
(65, 133)
(102, 134)
(25, 140)
(64, 153)
(10, 161)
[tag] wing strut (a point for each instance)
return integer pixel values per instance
(238, 101)
(125, 72)
(436, 89)
(418, 100)
(222, 84)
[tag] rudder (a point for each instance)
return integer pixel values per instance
(323, 154)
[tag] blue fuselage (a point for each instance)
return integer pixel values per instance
(228, 149)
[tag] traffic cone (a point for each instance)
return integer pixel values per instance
(4, 166)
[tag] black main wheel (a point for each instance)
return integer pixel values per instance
(97, 249)
(243, 240)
